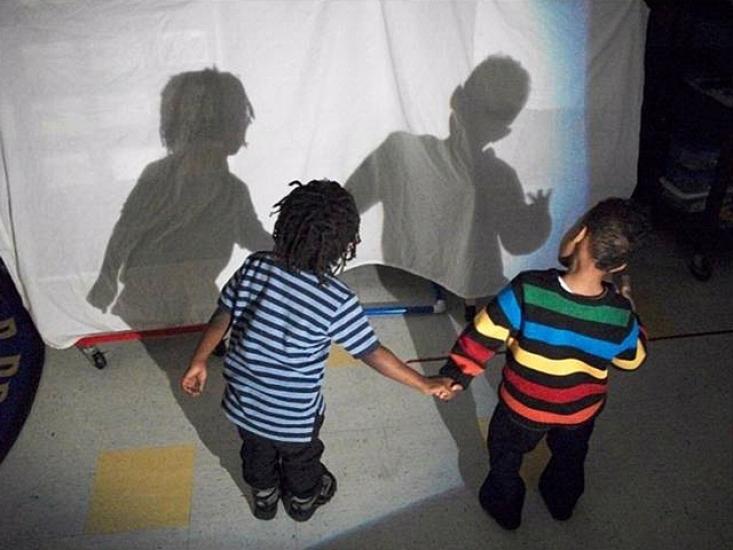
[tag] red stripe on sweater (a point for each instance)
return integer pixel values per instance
(543, 417)
(474, 350)
(552, 395)
(466, 365)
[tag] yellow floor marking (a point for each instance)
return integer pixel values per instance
(339, 357)
(142, 488)
(483, 426)
(534, 462)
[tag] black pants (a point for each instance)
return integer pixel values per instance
(294, 467)
(562, 481)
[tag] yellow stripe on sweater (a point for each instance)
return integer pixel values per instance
(485, 326)
(555, 367)
(631, 364)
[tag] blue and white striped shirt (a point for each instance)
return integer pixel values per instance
(283, 324)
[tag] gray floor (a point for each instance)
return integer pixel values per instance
(660, 471)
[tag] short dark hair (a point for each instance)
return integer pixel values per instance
(317, 228)
(616, 228)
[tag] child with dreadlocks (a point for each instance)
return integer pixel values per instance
(285, 308)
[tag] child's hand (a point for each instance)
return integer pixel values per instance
(442, 388)
(455, 387)
(623, 287)
(194, 379)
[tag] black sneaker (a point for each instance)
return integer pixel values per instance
(265, 502)
(302, 509)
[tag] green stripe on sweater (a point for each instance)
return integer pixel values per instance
(553, 301)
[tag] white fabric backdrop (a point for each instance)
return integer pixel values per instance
(361, 92)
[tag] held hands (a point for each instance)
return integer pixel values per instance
(194, 379)
(441, 387)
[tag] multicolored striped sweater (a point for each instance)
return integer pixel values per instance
(559, 347)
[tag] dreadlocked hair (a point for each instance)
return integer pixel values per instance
(317, 228)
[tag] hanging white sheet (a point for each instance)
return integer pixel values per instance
(471, 133)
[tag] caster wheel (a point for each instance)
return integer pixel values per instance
(99, 360)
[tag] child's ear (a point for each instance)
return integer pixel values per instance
(570, 241)
(582, 232)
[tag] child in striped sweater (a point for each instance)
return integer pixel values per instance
(285, 308)
(562, 331)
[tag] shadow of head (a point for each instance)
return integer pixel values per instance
(204, 108)
(491, 98)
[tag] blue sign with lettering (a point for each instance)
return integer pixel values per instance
(21, 362)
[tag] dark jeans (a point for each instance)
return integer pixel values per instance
(562, 481)
(294, 467)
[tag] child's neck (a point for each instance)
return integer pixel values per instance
(584, 280)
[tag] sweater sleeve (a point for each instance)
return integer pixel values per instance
(492, 328)
(633, 349)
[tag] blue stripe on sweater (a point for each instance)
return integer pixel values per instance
(560, 337)
(510, 306)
